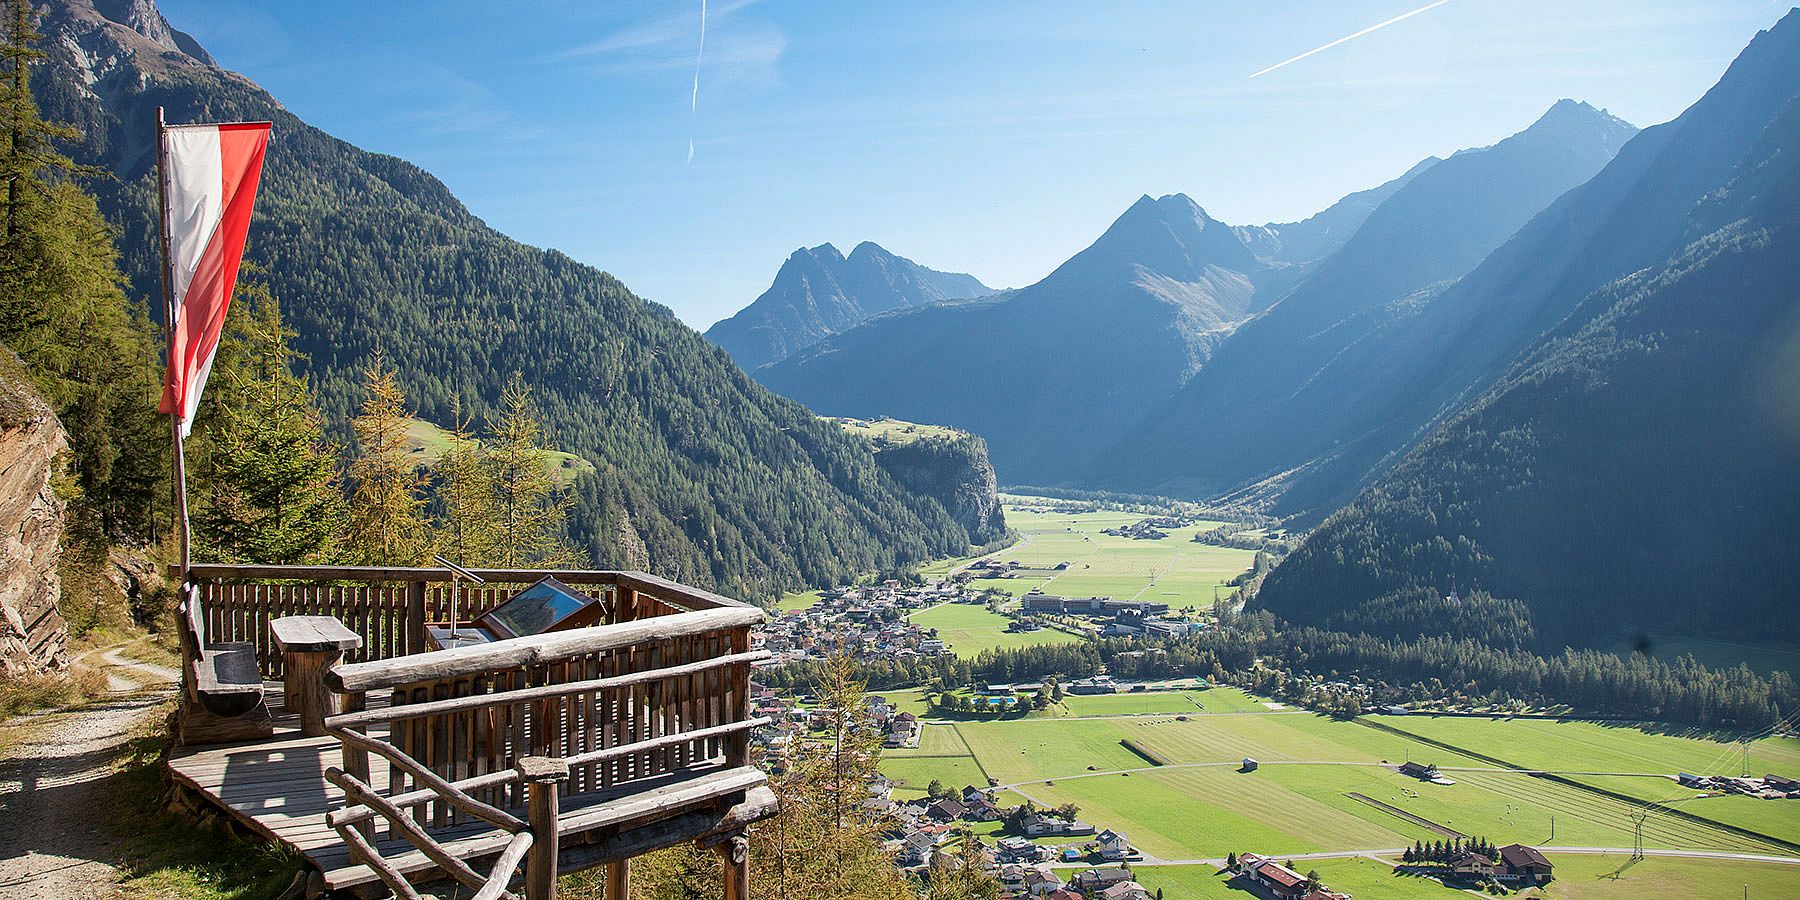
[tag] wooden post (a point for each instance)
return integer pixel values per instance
(356, 759)
(415, 619)
(618, 880)
(304, 690)
(541, 776)
(737, 746)
(734, 852)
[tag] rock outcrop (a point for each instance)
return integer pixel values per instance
(33, 636)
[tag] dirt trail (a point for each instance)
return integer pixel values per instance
(55, 787)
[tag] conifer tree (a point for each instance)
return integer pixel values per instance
(469, 531)
(266, 484)
(530, 510)
(387, 510)
(62, 308)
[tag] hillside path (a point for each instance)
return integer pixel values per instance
(56, 782)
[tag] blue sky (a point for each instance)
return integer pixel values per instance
(996, 138)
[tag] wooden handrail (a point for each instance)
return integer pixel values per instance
(507, 776)
(514, 653)
(355, 791)
(439, 786)
(542, 692)
(661, 588)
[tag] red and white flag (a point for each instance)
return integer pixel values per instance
(212, 173)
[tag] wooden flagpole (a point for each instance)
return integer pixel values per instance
(169, 313)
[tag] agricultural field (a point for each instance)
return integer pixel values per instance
(1174, 570)
(1580, 876)
(967, 629)
(1585, 748)
(1175, 786)
(1359, 877)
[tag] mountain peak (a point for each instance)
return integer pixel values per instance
(1578, 123)
(143, 17)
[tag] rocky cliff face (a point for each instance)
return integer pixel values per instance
(33, 636)
(955, 470)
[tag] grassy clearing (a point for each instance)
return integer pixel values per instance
(1174, 570)
(799, 601)
(968, 630)
(427, 443)
(894, 430)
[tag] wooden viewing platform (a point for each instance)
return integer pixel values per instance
(493, 764)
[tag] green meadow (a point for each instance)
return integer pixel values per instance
(1172, 782)
(967, 629)
(1174, 570)
(1580, 876)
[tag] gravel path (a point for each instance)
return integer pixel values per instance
(56, 784)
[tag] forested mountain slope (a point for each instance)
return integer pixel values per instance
(702, 474)
(1268, 402)
(1635, 469)
(1046, 372)
(819, 292)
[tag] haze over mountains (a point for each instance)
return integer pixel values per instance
(1109, 340)
(1635, 463)
(820, 292)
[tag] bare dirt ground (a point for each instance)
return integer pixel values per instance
(55, 785)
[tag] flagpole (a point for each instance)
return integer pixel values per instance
(169, 314)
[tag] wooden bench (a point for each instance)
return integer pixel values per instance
(309, 646)
(224, 690)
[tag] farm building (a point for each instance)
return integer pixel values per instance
(1522, 864)
(1248, 766)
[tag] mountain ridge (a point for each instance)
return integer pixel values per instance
(701, 475)
(819, 292)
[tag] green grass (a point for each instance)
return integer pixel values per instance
(1592, 877)
(894, 430)
(798, 601)
(1192, 703)
(1587, 747)
(1579, 877)
(1358, 877)
(1175, 570)
(967, 629)
(1198, 806)
(170, 857)
(427, 443)
(913, 774)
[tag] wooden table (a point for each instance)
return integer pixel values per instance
(309, 646)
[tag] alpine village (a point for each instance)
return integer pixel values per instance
(1442, 540)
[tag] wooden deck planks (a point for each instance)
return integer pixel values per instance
(276, 787)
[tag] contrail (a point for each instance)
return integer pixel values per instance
(693, 105)
(1376, 27)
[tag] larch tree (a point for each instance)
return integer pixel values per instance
(469, 528)
(387, 509)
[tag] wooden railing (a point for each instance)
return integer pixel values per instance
(644, 720)
(390, 607)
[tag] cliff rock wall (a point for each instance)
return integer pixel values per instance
(33, 635)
